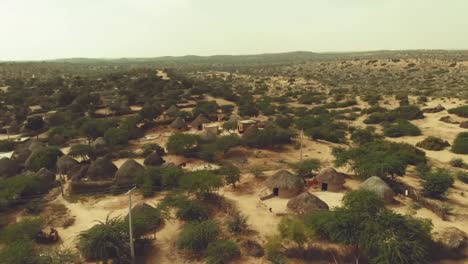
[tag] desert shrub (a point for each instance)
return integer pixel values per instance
(401, 128)
(26, 184)
(192, 210)
(224, 143)
(433, 143)
(231, 174)
(437, 183)
(44, 158)
(106, 240)
(195, 237)
(283, 121)
(158, 178)
(6, 145)
(116, 136)
(182, 144)
(306, 168)
(66, 133)
(25, 229)
(201, 182)
(457, 163)
(384, 236)
(379, 158)
(322, 127)
(379, 117)
(407, 112)
(461, 111)
(363, 136)
(270, 136)
(463, 176)
(237, 223)
(460, 144)
(222, 251)
(145, 219)
(19, 252)
(206, 108)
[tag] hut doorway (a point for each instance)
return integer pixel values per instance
(275, 191)
(324, 186)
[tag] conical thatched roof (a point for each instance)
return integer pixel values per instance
(46, 176)
(330, 176)
(153, 159)
(100, 169)
(234, 118)
(207, 136)
(146, 218)
(306, 203)
(98, 142)
(128, 171)
(200, 120)
(65, 164)
(21, 154)
(179, 123)
(378, 186)
(250, 132)
(78, 172)
(34, 145)
(9, 167)
(172, 111)
(284, 180)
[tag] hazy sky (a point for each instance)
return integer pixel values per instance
(45, 29)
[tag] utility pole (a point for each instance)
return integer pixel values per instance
(132, 247)
(301, 136)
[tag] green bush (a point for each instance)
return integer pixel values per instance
(433, 143)
(436, 184)
(457, 163)
(461, 111)
(145, 218)
(363, 136)
(25, 229)
(222, 251)
(401, 128)
(270, 136)
(116, 136)
(195, 237)
(201, 182)
(106, 240)
(44, 158)
(192, 210)
(6, 145)
(237, 223)
(19, 252)
(463, 176)
(407, 112)
(460, 144)
(183, 144)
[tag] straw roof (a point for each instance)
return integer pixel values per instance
(46, 176)
(100, 169)
(330, 176)
(9, 167)
(306, 203)
(377, 185)
(78, 172)
(128, 171)
(98, 142)
(172, 111)
(153, 159)
(179, 123)
(200, 120)
(250, 132)
(234, 118)
(65, 164)
(284, 179)
(207, 136)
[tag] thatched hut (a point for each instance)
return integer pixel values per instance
(172, 111)
(377, 185)
(98, 142)
(285, 184)
(153, 159)
(207, 136)
(330, 180)
(306, 203)
(244, 125)
(146, 218)
(46, 176)
(101, 169)
(198, 122)
(65, 164)
(128, 172)
(78, 172)
(9, 167)
(179, 124)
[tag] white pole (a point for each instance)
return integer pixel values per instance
(132, 248)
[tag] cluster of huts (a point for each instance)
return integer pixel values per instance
(285, 184)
